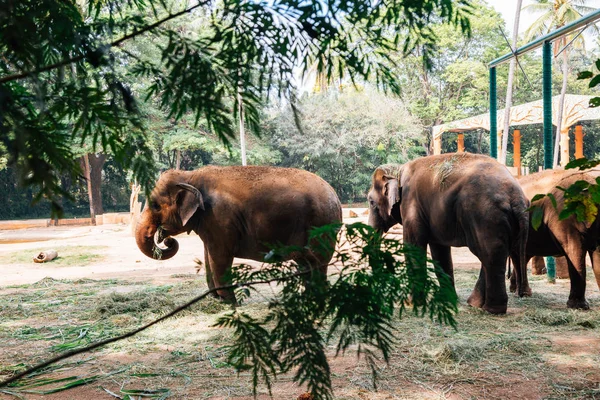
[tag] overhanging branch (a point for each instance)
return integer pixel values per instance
(117, 42)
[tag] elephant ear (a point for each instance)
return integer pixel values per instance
(392, 192)
(188, 201)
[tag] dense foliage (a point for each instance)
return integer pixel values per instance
(354, 310)
(70, 71)
(324, 130)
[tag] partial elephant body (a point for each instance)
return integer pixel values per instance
(456, 200)
(238, 212)
(567, 237)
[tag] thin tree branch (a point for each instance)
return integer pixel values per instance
(117, 42)
(144, 327)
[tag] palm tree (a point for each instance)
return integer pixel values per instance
(557, 13)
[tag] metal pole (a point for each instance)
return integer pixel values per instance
(580, 23)
(493, 115)
(548, 153)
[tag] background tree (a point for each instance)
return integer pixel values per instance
(555, 14)
(454, 84)
(344, 136)
(61, 74)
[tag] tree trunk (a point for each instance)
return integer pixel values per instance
(509, 87)
(561, 106)
(87, 175)
(242, 129)
(177, 159)
(96, 164)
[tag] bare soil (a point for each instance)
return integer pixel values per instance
(538, 350)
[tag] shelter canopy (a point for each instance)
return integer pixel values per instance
(576, 109)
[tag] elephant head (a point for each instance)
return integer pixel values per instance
(168, 210)
(385, 197)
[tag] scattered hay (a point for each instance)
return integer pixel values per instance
(139, 302)
(468, 351)
(210, 305)
(443, 170)
(549, 317)
(461, 351)
(46, 282)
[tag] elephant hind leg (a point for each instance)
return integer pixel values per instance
(576, 263)
(490, 289)
(517, 270)
(595, 257)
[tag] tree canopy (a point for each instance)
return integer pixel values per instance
(69, 69)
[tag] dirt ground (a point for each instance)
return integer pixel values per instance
(538, 350)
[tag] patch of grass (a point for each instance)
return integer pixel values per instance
(150, 300)
(48, 281)
(68, 256)
(469, 350)
(549, 317)
(185, 276)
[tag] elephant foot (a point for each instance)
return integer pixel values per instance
(578, 304)
(227, 296)
(476, 300)
(495, 309)
(526, 292)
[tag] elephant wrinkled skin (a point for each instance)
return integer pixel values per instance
(456, 200)
(237, 212)
(567, 237)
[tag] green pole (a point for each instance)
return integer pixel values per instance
(493, 115)
(548, 142)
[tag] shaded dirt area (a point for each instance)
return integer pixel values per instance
(106, 287)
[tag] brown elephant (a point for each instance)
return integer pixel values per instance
(456, 200)
(237, 212)
(568, 237)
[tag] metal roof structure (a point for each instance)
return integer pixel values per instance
(576, 109)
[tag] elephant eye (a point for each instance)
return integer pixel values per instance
(154, 205)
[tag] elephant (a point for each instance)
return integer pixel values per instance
(567, 237)
(238, 212)
(456, 200)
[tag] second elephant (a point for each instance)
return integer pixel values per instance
(567, 237)
(457, 200)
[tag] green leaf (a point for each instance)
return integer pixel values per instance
(538, 197)
(584, 75)
(536, 217)
(566, 213)
(595, 81)
(582, 163)
(552, 200)
(594, 102)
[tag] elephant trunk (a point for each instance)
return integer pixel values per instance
(145, 238)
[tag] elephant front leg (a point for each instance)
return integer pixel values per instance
(443, 255)
(209, 275)
(576, 262)
(477, 297)
(219, 266)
